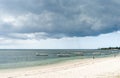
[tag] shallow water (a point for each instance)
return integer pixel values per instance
(33, 57)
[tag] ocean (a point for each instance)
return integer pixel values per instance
(18, 58)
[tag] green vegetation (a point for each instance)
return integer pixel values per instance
(110, 48)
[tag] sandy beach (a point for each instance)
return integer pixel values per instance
(86, 68)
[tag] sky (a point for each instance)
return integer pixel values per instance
(59, 24)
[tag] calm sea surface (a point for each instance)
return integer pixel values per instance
(34, 57)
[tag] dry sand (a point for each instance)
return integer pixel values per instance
(85, 68)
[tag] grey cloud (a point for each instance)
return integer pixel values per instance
(17, 7)
(59, 18)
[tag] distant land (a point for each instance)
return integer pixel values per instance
(110, 48)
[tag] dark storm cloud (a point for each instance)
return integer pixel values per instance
(58, 18)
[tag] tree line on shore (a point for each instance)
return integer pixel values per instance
(110, 48)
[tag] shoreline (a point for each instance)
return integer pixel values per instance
(71, 68)
(54, 62)
(63, 61)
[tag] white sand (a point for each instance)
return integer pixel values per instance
(87, 68)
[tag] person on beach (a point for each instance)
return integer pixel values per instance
(115, 55)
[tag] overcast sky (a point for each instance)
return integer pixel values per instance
(57, 24)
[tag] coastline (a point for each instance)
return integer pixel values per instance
(80, 68)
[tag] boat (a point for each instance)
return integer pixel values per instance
(78, 53)
(41, 54)
(63, 55)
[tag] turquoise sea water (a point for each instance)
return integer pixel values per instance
(35, 57)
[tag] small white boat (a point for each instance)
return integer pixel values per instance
(63, 55)
(41, 54)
